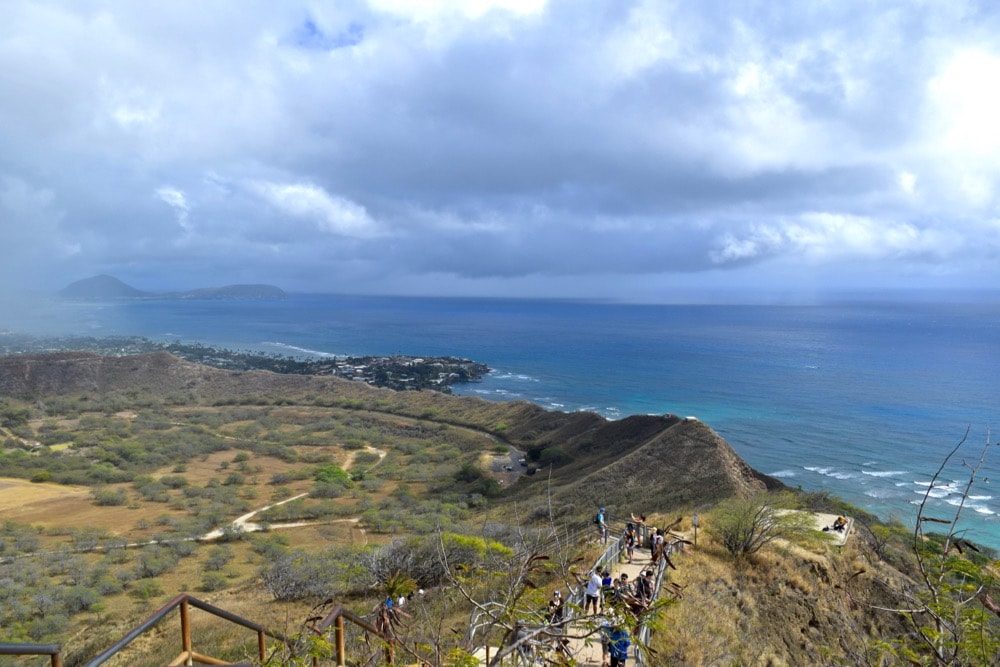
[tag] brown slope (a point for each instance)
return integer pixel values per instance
(685, 464)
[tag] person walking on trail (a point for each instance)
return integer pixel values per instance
(644, 587)
(556, 607)
(602, 526)
(593, 591)
(607, 588)
(522, 640)
(618, 644)
(630, 540)
(605, 634)
(658, 545)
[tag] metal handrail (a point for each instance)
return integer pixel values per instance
(642, 636)
(188, 655)
(51, 650)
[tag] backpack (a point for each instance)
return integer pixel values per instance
(597, 518)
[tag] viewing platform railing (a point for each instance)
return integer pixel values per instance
(51, 650)
(188, 656)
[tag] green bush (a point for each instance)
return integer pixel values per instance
(746, 525)
(146, 589)
(108, 497)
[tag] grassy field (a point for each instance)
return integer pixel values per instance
(168, 472)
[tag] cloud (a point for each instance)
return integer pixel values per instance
(176, 200)
(821, 237)
(509, 142)
(330, 213)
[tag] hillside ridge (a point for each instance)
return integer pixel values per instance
(640, 463)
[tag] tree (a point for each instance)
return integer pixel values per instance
(745, 525)
(217, 558)
(953, 610)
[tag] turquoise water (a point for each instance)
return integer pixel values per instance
(863, 399)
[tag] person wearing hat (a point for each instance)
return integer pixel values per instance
(602, 526)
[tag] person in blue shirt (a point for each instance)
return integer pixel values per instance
(618, 643)
(602, 526)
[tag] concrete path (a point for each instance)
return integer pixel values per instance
(587, 655)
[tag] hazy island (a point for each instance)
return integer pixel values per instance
(109, 287)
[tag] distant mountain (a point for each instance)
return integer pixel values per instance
(108, 287)
(237, 292)
(101, 287)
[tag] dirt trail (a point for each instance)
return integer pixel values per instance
(244, 524)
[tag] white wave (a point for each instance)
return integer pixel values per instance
(507, 375)
(557, 406)
(783, 473)
(935, 493)
(830, 472)
(883, 473)
(879, 493)
(980, 497)
(304, 350)
(981, 508)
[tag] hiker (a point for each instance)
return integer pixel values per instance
(555, 615)
(522, 640)
(623, 587)
(644, 587)
(605, 643)
(607, 588)
(630, 540)
(602, 526)
(839, 524)
(593, 591)
(657, 548)
(618, 643)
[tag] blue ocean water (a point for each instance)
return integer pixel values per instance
(862, 399)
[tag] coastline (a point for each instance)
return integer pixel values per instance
(821, 395)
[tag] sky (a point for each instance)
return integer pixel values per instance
(614, 149)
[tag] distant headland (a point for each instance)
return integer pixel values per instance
(109, 287)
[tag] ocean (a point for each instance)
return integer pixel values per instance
(862, 399)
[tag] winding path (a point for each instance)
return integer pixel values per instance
(243, 524)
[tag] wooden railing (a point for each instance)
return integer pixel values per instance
(188, 656)
(336, 618)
